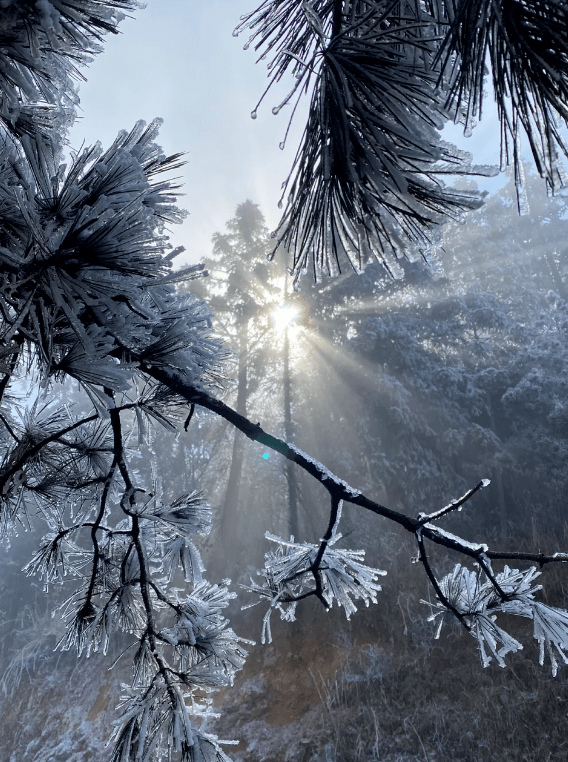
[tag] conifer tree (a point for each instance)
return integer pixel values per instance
(239, 292)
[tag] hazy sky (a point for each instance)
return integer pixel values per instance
(177, 59)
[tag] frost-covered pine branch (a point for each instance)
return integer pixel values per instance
(480, 599)
(296, 571)
(383, 78)
(43, 45)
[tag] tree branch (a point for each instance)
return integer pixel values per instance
(333, 514)
(339, 491)
(34, 449)
(423, 557)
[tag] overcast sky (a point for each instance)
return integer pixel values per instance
(177, 59)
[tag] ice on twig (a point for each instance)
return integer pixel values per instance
(325, 473)
(551, 631)
(289, 573)
(454, 505)
(478, 599)
(455, 540)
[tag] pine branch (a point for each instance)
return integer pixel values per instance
(338, 488)
(33, 450)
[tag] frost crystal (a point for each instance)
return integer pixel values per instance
(289, 574)
(325, 473)
(551, 630)
(475, 597)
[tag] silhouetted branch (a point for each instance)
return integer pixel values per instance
(339, 491)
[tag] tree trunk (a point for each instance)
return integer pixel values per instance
(230, 534)
(291, 475)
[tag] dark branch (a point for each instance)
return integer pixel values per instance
(423, 558)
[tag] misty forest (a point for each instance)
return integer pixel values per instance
(303, 501)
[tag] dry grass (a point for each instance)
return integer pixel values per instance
(396, 694)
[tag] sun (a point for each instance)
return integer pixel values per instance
(283, 316)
